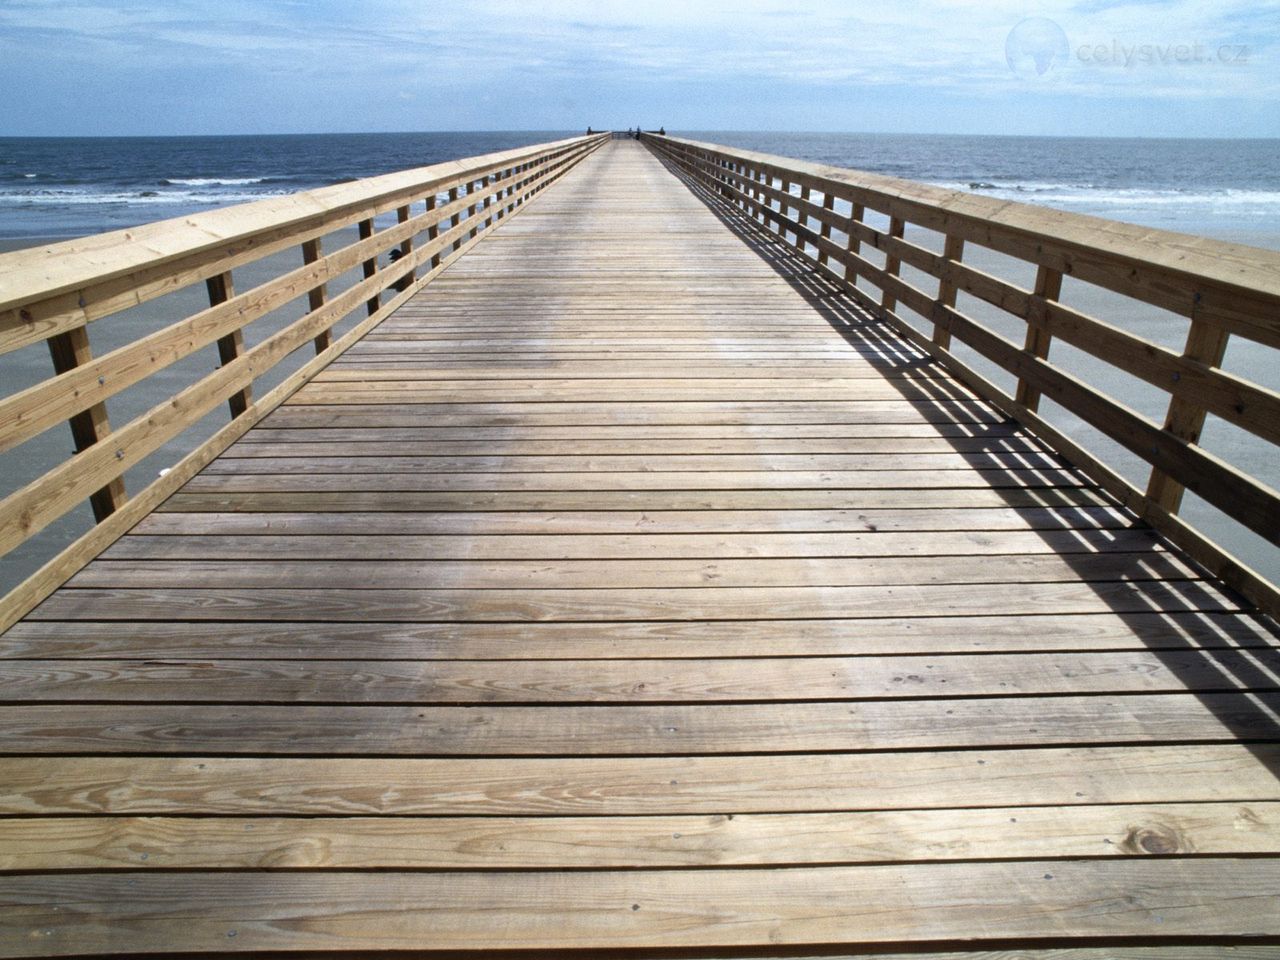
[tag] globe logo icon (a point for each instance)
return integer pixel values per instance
(1034, 46)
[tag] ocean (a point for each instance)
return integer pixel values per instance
(54, 188)
(62, 187)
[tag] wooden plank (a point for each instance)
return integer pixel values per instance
(627, 786)
(1062, 527)
(621, 604)
(648, 414)
(356, 501)
(50, 914)
(993, 478)
(637, 681)
(665, 573)
(373, 443)
(396, 544)
(631, 729)
(495, 462)
(312, 639)
(548, 843)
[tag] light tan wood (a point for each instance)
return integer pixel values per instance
(157, 256)
(38, 586)
(1137, 272)
(832, 636)
(631, 786)
(637, 681)
(28, 510)
(634, 586)
(1048, 287)
(91, 425)
(548, 843)
(1207, 346)
(867, 904)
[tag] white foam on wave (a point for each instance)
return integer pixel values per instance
(1090, 195)
(214, 181)
(56, 197)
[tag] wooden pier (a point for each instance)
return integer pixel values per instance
(626, 581)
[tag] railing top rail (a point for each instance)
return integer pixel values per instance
(43, 272)
(1233, 266)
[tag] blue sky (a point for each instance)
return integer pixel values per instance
(1178, 68)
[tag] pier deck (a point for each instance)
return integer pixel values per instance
(632, 587)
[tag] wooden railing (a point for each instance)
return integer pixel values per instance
(1220, 289)
(53, 294)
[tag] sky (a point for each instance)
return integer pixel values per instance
(1159, 68)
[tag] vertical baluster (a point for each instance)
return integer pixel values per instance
(455, 218)
(316, 296)
(783, 207)
(892, 264)
(221, 289)
(854, 245)
(1205, 344)
(406, 249)
(433, 230)
(471, 210)
(69, 350)
(520, 186)
(1048, 287)
(370, 268)
(952, 252)
(829, 205)
(802, 216)
(488, 200)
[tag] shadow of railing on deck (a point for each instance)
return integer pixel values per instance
(1236, 671)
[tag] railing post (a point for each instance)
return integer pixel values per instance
(784, 188)
(406, 248)
(829, 205)
(802, 218)
(456, 218)
(68, 351)
(471, 210)
(892, 264)
(853, 244)
(1205, 344)
(433, 230)
(221, 289)
(370, 268)
(316, 296)
(1048, 287)
(952, 252)
(488, 199)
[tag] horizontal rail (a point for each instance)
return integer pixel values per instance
(1221, 289)
(53, 294)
